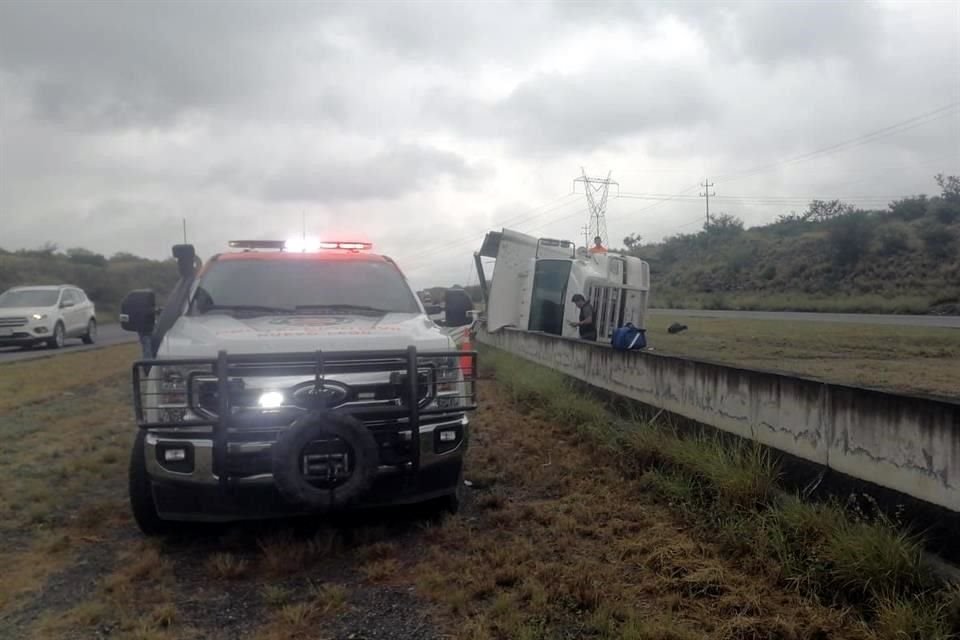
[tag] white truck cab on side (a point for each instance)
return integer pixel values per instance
(534, 280)
(285, 380)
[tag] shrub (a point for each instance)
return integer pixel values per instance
(938, 240)
(893, 238)
(849, 237)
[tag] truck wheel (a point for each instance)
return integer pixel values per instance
(451, 503)
(91, 335)
(58, 337)
(141, 494)
(358, 442)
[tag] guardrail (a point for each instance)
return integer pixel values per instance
(907, 443)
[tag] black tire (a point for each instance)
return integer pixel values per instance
(59, 335)
(451, 503)
(141, 493)
(316, 426)
(91, 335)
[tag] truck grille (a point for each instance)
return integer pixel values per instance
(12, 322)
(303, 395)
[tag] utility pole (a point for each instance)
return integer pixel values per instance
(303, 220)
(586, 236)
(598, 209)
(184, 231)
(706, 184)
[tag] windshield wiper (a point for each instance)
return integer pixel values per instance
(341, 307)
(248, 309)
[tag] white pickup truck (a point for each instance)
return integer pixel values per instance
(288, 379)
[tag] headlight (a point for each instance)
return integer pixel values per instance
(446, 370)
(172, 394)
(39, 316)
(449, 380)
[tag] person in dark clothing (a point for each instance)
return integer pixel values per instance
(587, 327)
(456, 304)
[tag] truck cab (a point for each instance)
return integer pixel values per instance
(287, 378)
(534, 280)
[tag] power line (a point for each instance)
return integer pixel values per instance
(898, 127)
(443, 246)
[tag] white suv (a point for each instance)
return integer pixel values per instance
(49, 315)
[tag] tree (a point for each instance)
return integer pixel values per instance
(949, 187)
(85, 256)
(632, 241)
(723, 224)
(909, 208)
(822, 210)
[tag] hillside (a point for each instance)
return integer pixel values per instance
(106, 280)
(832, 257)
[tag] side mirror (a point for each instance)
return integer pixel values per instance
(432, 309)
(138, 311)
(66, 304)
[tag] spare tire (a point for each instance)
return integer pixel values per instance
(318, 425)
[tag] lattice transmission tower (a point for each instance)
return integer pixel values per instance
(597, 191)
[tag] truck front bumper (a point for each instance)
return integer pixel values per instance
(198, 495)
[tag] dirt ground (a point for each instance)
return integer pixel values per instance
(550, 543)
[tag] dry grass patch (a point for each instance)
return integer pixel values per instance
(295, 620)
(276, 595)
(381, 570)
(227, 566)
(31, 381)
(136, 599)
(571, 549)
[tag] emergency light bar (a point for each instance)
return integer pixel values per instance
(298, 245)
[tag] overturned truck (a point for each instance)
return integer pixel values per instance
(535, 279)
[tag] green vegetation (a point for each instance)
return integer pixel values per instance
(831, 258)
(729, 492)
(913, 359)
(106, 280)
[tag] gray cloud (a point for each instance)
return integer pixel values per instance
(551, 112)
(120, 64)
(123, 117)
(390, 174)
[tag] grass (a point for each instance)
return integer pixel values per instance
(863, 303)
(27, 382)
(560, 541)
(913, 359)
(728, 491)
(227, 566)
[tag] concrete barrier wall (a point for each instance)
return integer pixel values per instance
(905, 443)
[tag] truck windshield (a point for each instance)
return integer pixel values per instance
(314, 286)
(29, 298)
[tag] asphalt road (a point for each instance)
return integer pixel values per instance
(107, 335)
(951, 322)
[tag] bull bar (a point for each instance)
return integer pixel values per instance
(416, 377)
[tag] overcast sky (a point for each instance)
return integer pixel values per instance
(419, 126)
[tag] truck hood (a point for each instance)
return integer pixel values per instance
(204, 336)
